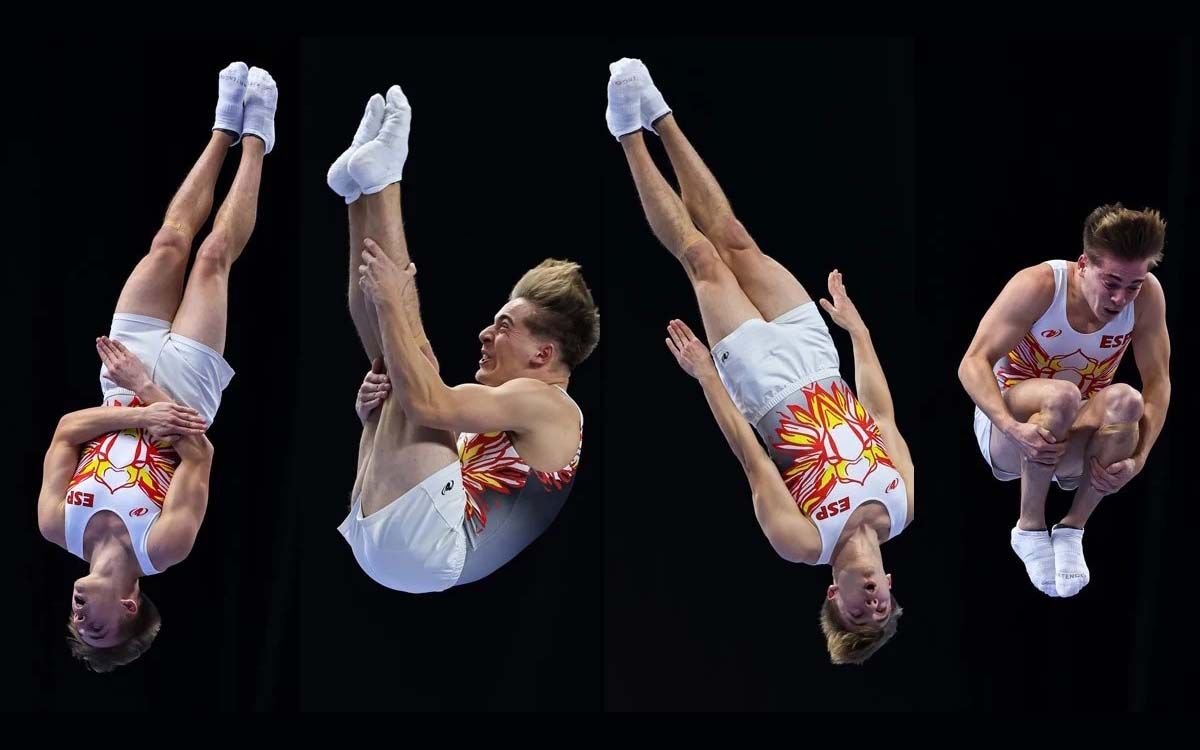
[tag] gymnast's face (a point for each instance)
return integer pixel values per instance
(99, 613)
(863, 599)
(509, 349)
(1110, 284)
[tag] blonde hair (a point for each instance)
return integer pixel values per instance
(565, 310)
(850, 646)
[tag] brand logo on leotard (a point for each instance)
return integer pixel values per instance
(139, 512)
(895, 483)
(1051, 333)
(449, 486)
(724, 356)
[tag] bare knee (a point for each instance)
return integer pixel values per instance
(171, 244)
(730, 236)
(1061, 401)
(1123, 403)
(215, 256)
(702, 262)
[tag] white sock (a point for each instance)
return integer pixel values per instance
(339, 178)
(1037, 552)
(231, 88)
(380, 162)
(1070, 569)
(654, 105)
(625, 84)
(262, 96)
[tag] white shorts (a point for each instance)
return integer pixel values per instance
(983, 436)
(760, 363)
(190, 372)
(418, 542)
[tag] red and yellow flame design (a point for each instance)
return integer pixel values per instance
(490, 463)
(832, 440)
(150, 469)
(557, 480)
(1029, 360)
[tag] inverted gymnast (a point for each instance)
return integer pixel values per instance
(836, 480)
(125, 485)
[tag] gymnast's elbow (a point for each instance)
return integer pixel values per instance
(787, 549)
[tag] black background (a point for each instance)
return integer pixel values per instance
(131, 120)
(929, 171)
(812, 141)
(498, 178)
(270, 610)
(1018, 140)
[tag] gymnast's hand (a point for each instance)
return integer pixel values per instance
(380, 278)
(375, 389)
(1037, 444)
(842, 310)
(167, 421)
(124, 368)
(1109, 479)
(690, 352)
